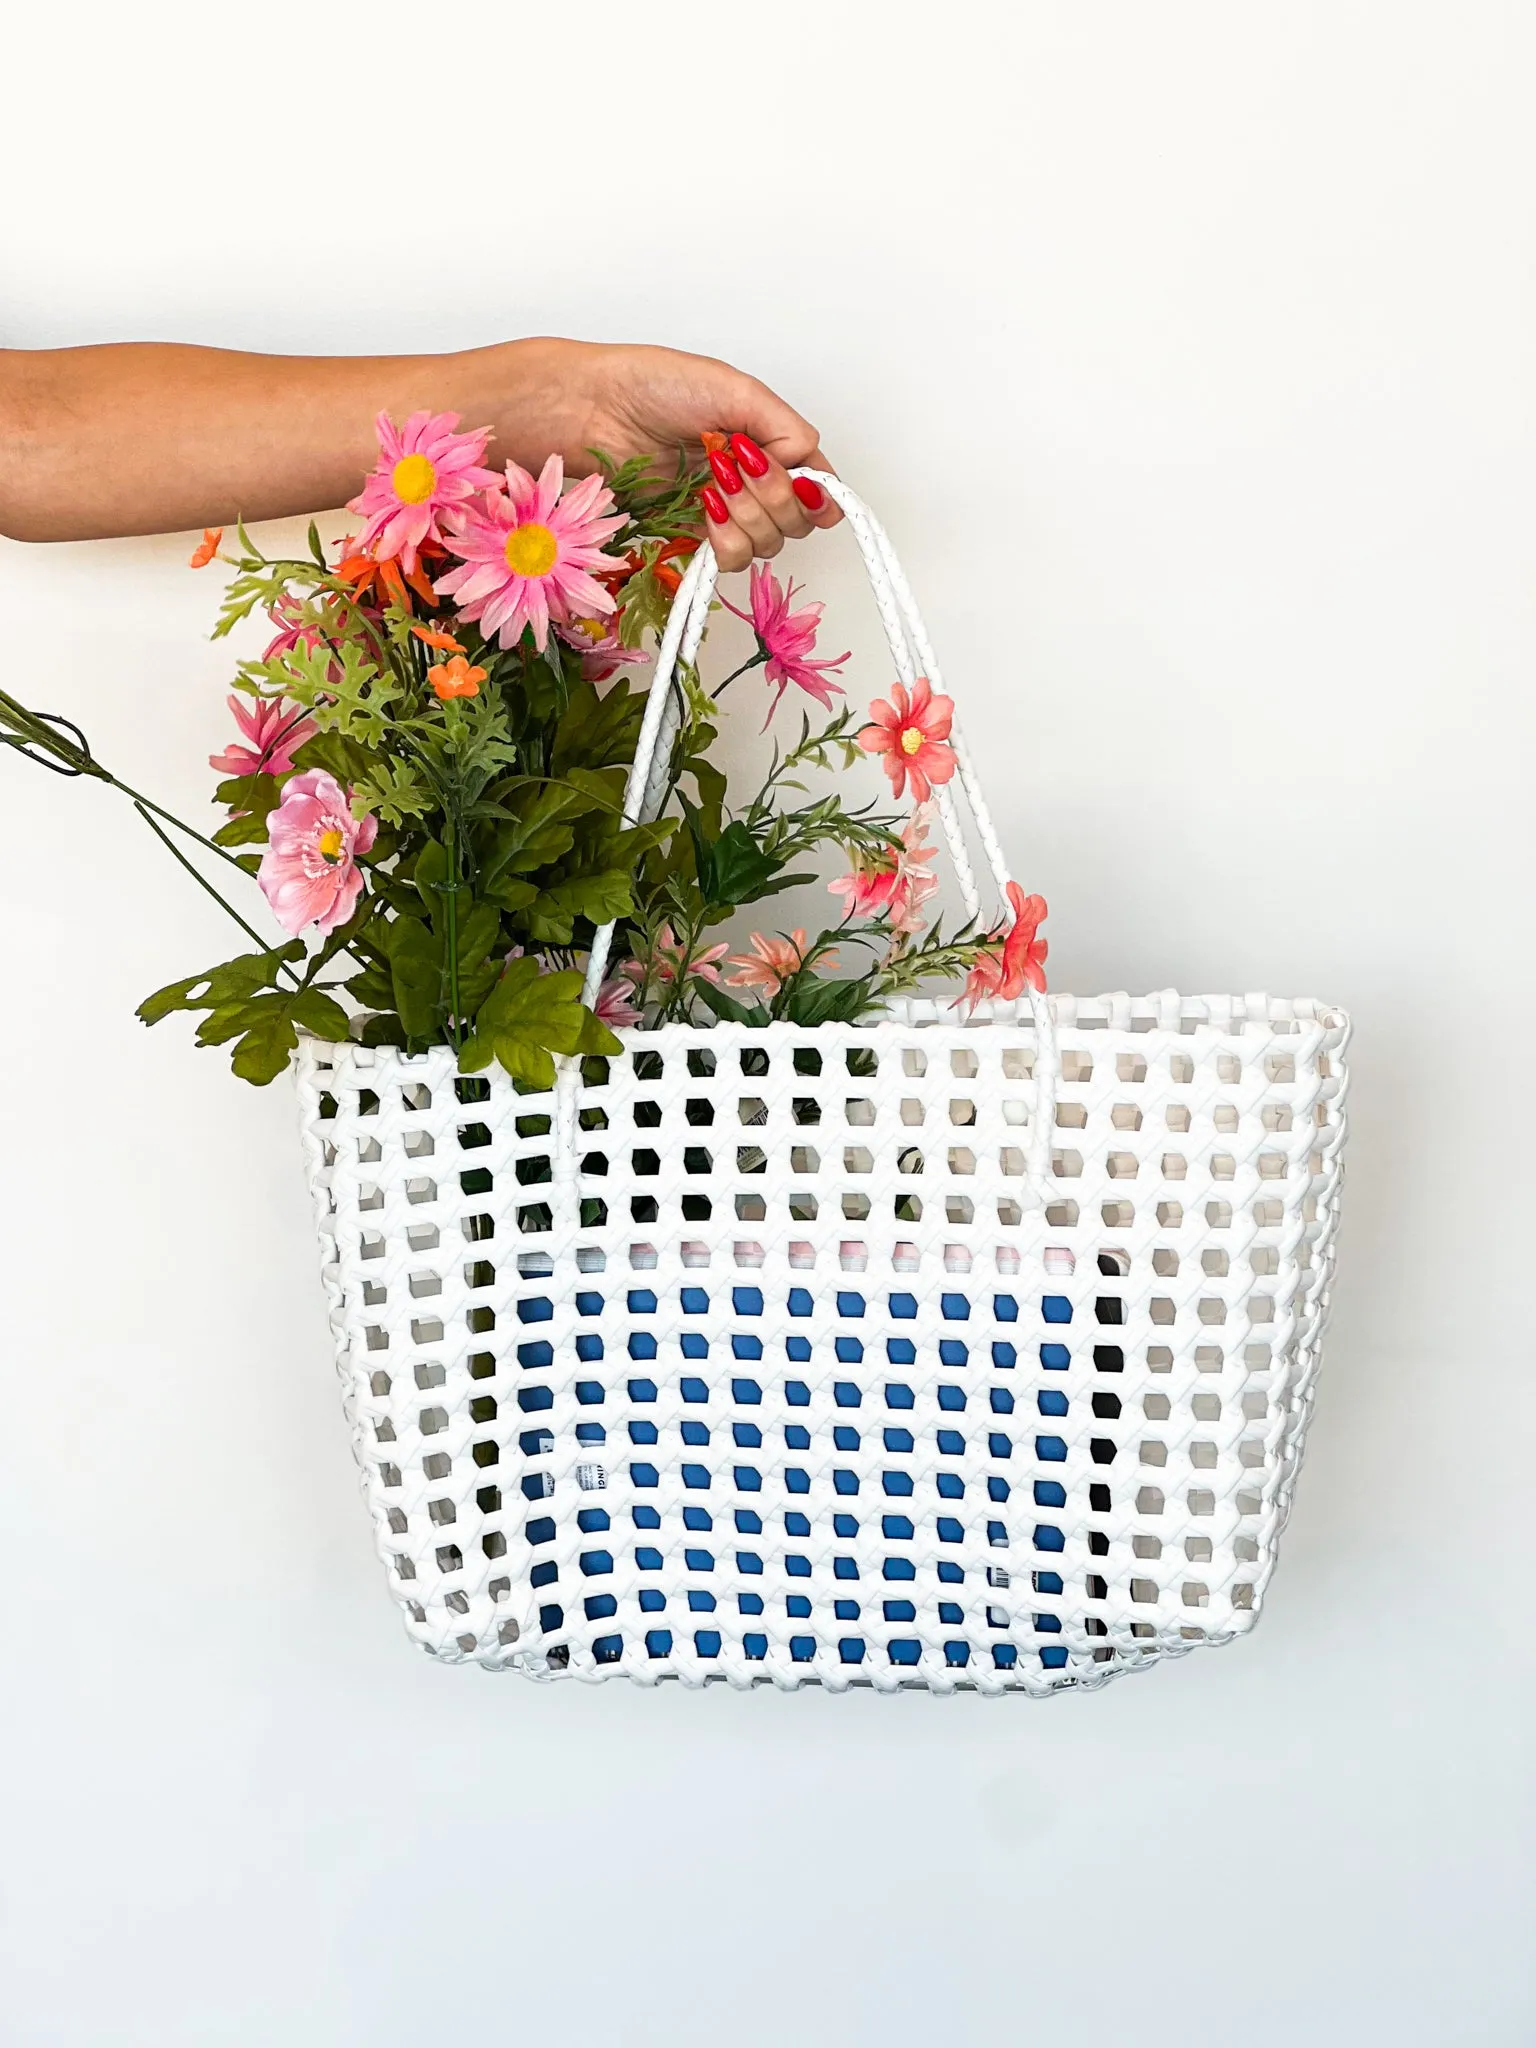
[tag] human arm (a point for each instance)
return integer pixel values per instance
(153, 437)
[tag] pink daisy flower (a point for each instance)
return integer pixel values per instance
(773, 961)
(527, 554)
(275, 730)
(424, 470)
(787, 638)
(309, 872)
(913, 735)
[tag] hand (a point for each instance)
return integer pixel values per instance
(574, 396)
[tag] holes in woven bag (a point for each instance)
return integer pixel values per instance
(1010, 1214)
(369, 1197)
(959, 1209)
(1070, 1116)
(369, 1152)
(371, 1244)
(417, 1144)
(753, 1061)
(1171, 1215)
(472, 1088)
(1118, 1215)
(1018, 1063)
(1209, 1358)
(858, 1159)
(699, 1111)
(647, 1066)
(426, 1330)
(861, 1062)
(1155, 1407)
(1176, 1116)
(367, 1102)
(424, 1285)
(701, 1063)
(1148, 1547)
(1281, 1066)
(1063, 1215)
(858, 1110)
(1212, 1310)
(1067, 1165)
(751, 1209)
(749, 1159)
(1229, 1067)
(914, 1061)
(804, 1159)
(1269, 1214)
(1181, 1069)
(1149, 1500)
(1123, 1165)
(751, 1109)
(963, 1061)
(1130, 1066)
(961, 1160)
(425, 1237)
(647, 1115)
(803, 1207)
(856, 1207)
(1125, 1116)
(807, 1060)
(1011, 1161)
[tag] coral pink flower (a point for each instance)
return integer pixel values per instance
(526, 555)
(913, 735)
(787, 638)
(424, 470)
(614, 1006)
(309, 872)
(275, 730)
(602, 652)
(896, 885)
(666, 960)
(772, 962)
(1002, 973)
(206, 548)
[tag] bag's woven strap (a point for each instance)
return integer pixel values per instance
(913, 655)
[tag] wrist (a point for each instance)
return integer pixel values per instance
(538, 394)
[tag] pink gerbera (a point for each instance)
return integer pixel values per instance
(527, 554)
(424, 470)
(894, 885)
(275, 730)
(772, 962)
(309, 872)
(913, 735)
(786, 638)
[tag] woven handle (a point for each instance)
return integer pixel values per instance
(913, 655)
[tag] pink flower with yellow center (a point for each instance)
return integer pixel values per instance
(602, 652)
(425, 470)
(275, 730)
(309, 872)
(774, 961)
(1002, 974)
(786, 638)
(526, 554)
(896, 885)
(913, 735)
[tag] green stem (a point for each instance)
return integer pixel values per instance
(756, 662)
(451, 899)
(203, 883)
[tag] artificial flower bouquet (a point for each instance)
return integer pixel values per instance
(428, 788)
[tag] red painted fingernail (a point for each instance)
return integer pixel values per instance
(811, 496)
(727, 475)
(749, 455)
(714, 505)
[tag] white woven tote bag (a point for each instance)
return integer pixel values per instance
(935, 1351)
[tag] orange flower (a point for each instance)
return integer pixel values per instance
(456, 678)
(207, 547)
(432, 637)
(714, 444)
(385, 582)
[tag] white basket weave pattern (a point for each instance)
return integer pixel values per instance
(788, 1372)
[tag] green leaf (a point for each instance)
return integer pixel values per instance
(733, 868)
(230, 982)
(602, 897)
(811, 1001)
(726, 1007)
(345, 759)
(598, 732)
(416, 973)
(511, 894)
(529, 1016)
(314, 545)
(260, 793)
(537, 832)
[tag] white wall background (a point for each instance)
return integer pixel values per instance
(1187, 351)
